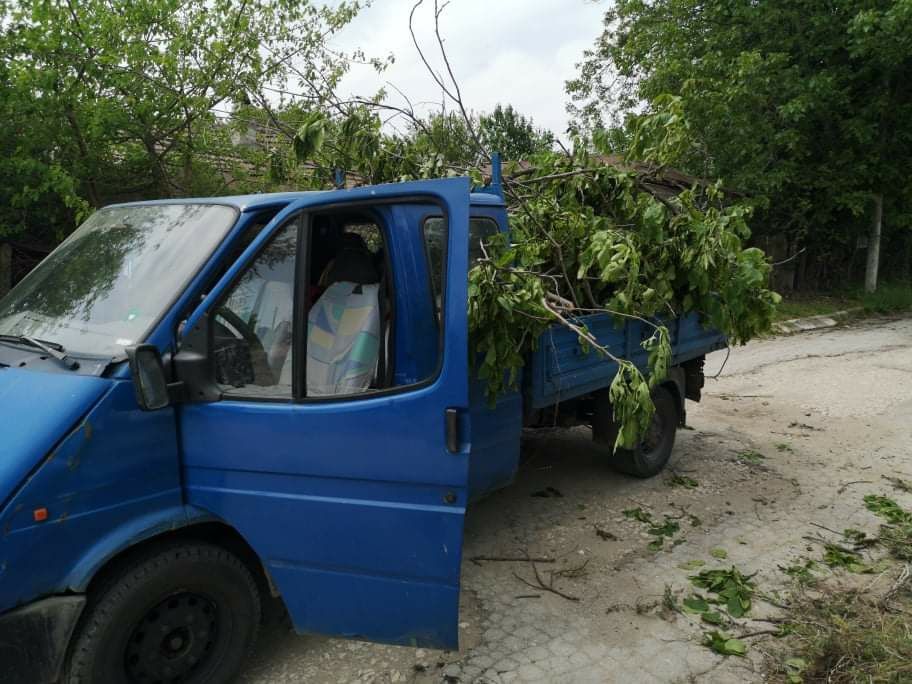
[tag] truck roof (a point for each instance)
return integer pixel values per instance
(266, 200)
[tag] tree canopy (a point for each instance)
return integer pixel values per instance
(802, 106)
(105, 100)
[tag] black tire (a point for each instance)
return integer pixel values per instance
(184, 612)
(651, 455)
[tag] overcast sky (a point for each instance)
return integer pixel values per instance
(517, 52)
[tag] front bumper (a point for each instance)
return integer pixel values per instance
(34, 639)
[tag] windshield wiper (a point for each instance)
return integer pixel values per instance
(50, 348)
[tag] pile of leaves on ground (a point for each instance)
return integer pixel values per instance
(589, 237)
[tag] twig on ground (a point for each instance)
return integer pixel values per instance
(898, 584)
(823, 527)
(772, 602)
(577, 571)
(761, 632)
(509, 559)
(540, 584)
(845, 486)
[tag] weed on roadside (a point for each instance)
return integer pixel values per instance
(754, 457)
(897, 539)
(836, 556)
(803, 573)
(888, 298)
(887, 509)
(899, 483)
(848, 636)
(682, 481)
(669, 600)
(860, 539)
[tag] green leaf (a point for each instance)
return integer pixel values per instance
(734, 607)
(796, 665)
(638, 514)
(308, 140)
(735, 647)
(719, 553)
(691, 564)
(695, 604)
(712, 617)
(721, 643)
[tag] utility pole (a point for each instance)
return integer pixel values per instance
(874, 246)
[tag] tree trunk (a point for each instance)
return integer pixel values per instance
(874, 246)
(6, 268)
(91, 187)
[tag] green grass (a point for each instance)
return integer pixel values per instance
(855, 636)
(889, 298)
(799, 305)
(850, 639)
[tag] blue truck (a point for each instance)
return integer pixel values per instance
(209, 402)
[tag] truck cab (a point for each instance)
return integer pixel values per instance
(209, 401)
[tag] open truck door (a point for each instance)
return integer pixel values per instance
(329, 426)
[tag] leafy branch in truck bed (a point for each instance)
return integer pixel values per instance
(587, 237)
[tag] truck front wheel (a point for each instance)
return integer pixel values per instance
(181, 613)
(649, 457)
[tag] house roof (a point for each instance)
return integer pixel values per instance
(663, 180)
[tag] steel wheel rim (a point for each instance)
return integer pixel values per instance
(173, 640)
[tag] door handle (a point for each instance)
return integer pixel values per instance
(452, 430)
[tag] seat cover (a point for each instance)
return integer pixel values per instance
(343, 339)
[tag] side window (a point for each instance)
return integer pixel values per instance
(435, 237)
(349, 311)
(351, 341)
(253, 325)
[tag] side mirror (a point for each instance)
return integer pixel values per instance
(149, 380)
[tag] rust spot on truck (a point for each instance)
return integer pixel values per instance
(87, 432)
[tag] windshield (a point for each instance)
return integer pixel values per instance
(108, 283)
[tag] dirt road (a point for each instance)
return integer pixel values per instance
(795, 431)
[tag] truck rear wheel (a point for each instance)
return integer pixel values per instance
(185, 612)
(651, 455)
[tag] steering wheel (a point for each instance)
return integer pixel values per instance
(262, 372)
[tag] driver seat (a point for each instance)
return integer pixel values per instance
(343, 326)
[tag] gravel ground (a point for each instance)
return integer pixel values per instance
(794, 431)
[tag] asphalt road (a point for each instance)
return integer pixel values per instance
(794, 432)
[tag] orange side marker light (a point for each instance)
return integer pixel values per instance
(40, 514)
